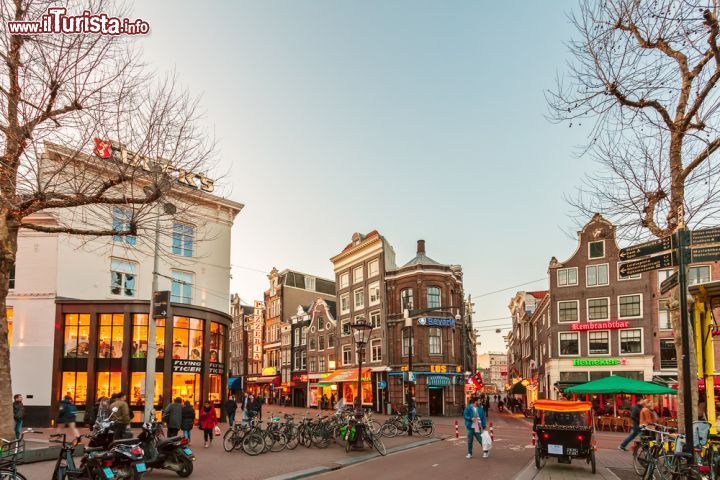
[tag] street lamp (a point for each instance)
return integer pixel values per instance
(408, 395)
(361, 335)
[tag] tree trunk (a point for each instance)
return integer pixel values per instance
(693, 367)
(8, 249)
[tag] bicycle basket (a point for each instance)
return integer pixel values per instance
(12, 451)
(353, 432)
(426, 423)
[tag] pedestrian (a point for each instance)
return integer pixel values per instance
(647, 414)
(332, 401)
(256, 407)
(208, 421)
(244, 402)
(173, 417)
(635, 417)
(474, 424)
(188, 419)
(122, 416)
(324, 402)
(18, 413)
(67, 413)
(230, 409)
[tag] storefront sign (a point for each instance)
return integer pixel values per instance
(269, 371)
(257, 350)
(438, 368)
(597, 362)
(187, 366)
(612, 325)
(436, 322)
(109, 150)
(216, 368)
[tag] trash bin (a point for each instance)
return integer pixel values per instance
(389, 408)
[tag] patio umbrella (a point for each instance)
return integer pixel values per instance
(620, 384)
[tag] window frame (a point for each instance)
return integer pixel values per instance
(411, 297)
(702, 265)
(439, 341)
(577, 339)
(566, 284)
(577, 303)
(379, 315)
(640, 295)
(124, 224)
(182, 283)
(595, 266)
(660, 350)
(343, 322)
(404, 334)
(669, 316)
(376, 263)
(344, 280)
(355, 299)
(346, 349)
(180, 232)
(345, 296)
(439, 296)
(589, 256)
(375, 343)
(587, 309)
(134, 266)
(356, 280)
(374, 285)
(609, 343)
(642, 341)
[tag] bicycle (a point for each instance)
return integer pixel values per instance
(11, 453)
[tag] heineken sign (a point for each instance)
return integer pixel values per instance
(598, 362)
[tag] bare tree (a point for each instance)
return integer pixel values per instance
(644, 73)
(62, 98)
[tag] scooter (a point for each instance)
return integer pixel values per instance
(125, 455)
(166, 453)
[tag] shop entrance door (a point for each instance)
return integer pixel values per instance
(436, 401)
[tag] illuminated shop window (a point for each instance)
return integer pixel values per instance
(187, 338)
(217, 342)
(77, 336)
(110, 335)
(137, 389)
(74, 385)
(108, 383)
(187, 386)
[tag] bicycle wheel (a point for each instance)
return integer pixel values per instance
(269, 440)
(640, 459)
(7, 474)
(424, 428)
(253, 444)
(293, 437)
(375, 427)
(388, 430)
(377, 444)
(279, 442)
(229, 440)
(320, 436)
(305, 437)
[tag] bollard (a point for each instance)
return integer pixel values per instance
(457, 432)
(492, 433)
(533, 439)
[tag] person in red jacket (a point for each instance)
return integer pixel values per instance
(208, 421)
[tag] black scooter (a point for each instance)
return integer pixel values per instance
(166, 453)
(125, 455)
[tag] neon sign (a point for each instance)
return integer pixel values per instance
(598, 362)
(612, 325)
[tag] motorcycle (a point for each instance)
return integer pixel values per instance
(124, 457)
(166, 453)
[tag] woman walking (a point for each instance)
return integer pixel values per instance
(188, 419)
(208, 421)
(67, 413)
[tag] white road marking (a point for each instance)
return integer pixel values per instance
(435, 465)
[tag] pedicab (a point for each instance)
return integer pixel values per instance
(563, 430)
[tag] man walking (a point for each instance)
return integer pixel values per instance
(230, 409)
(122, 416)
(475, 422)
(635, 417)
(18, 414)
(173, 417)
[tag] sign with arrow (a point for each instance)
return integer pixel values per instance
(647, 264)
(706, 235)
(647, 248)
(710, 253)
(669, 283)
(160, 303)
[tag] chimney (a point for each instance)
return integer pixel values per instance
(421, 247)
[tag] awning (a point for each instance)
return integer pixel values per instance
(518, 389)
(620, 384)
(438, 381)
(265, 380)
(347, 375)
(235, 384)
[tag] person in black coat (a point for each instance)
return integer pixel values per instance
(230, 409)
(188, 419)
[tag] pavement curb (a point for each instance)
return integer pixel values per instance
(310, 472)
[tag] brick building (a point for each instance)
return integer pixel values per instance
(495, 366)
(441, 333)
(239, 335)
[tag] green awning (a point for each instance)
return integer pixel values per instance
(437, 381)
(518, 389)
(620, 384)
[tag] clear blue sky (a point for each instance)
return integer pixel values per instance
(422, 119)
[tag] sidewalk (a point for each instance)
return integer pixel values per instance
(611, 465)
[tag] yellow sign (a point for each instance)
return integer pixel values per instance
(269, 371)
(438, 368)
(458, 368)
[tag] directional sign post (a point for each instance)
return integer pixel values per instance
(647, 264)
(705, 235)
(647, 248)
(669, 283)
(711, 253)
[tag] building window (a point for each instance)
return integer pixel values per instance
(599, 343)
(345, 324)
(182, 240)
(376, 350)
(297, 336)
(433, 297)
(77, 336)
(699, 274)
(435, 335)
(320, 323)
(110, 335)
(668, 354)
(406, 343)
(309, 283)
(296, 366)
(123, 276)
(108, 383)
(346, 355)
(569, 344)
(567, 277)
(406, 299)
(375, 319)
(568, 311)
(373, 268)
(187, 338)
(321, 343)
(663, 275)
(321, 362)
(344, 280)
(182, 283)
(331, 341)
(357, 274)
(664, 319)
(345, 303)
(596, 249)
(311, 345)
(74, 385)
(303, 360)
(217, 342)
(11, 280)
(359, 299)
(598, 308)
(596, 275)
(374, 290)
(629, 306)
(630, 341)
(303, 335)
(312, 365)
(122, 222)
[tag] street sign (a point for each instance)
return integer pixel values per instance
(647, 248)
(705, 254)
(706, 235)
(646, 264)
(669, 283)
(160, 303)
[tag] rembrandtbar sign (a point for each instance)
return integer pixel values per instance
(612, 325)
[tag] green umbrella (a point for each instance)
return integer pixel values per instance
(620, 384)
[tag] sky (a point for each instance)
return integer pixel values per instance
(421, 119)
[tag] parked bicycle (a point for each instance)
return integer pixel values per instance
(11, 453)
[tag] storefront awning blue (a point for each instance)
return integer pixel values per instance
(438, 381)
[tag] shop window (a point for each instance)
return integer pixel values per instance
(123, 275)
(187, 386)
(181, 288)
(187, 338)
(406, 299)
(630, 341)
(574, 377)
(215, 393)
(122, 222)
(433, 297)
(10, 316)
(108, 383)
(182, 241)
(217, 342)
(74, 385)
(137, 389)
(668, 354)
(77, 336)
(110, 335)
(140, 336)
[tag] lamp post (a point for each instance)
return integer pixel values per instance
(408, 395)
(361, 335)
(151, 357)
